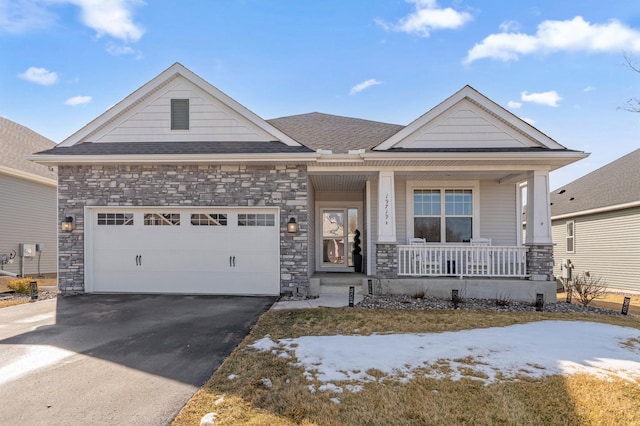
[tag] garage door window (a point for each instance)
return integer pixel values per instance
(256, 219)
(115, 218)
(208, 219)
(162, 219)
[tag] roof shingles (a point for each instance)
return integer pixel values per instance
(16, 143)
(611, 185)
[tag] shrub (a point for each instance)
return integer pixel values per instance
(21, 285)
(587, 287)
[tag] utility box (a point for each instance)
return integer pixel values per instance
(566, 266)
(27, 250)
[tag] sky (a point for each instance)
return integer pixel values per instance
(340, 363)
(559, 65)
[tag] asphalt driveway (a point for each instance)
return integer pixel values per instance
(115, 359)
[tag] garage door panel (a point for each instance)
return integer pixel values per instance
(186, 258)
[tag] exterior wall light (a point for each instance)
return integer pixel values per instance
(67, 224)
(292, 226)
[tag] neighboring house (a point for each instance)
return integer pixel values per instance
(180, 189)
(28, 203)
(596, 224)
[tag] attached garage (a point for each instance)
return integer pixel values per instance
(195, 250)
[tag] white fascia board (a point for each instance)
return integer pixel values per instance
(598, 210)
(164, 77)
(28, 176)
(481, 100)
(168, 158)
(470, 156)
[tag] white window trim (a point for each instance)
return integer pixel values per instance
(473, 185)
(573, 237)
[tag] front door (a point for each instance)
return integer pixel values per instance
(338, 226)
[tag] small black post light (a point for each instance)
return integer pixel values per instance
(569, 295)
(292, 225)
(455, 299)
(539, 302)
(67, 224)
(352, 293)
(625, 305)
(370, 285)
(33, 286)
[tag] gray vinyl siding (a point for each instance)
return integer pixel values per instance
(498, 213)
(401, 211)
(606, 244)
(29, 215)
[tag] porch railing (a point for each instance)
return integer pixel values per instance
(462, 261)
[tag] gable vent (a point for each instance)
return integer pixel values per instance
(179, 114)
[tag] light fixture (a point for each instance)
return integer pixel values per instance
(292, 225)
(67, 224)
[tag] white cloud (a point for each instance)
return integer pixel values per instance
(427, 17)
(78, 100)
(21, 16)
(589, 89)
(553, 36)
(364, 85)
(39, 76)
(107, 17)
(119, 50)
(550, 98)
(509, 26)
(110, 17)
(528, 120)
(514, 104)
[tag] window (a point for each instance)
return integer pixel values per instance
(179, 114)
(162, 219)
(115, 218)
(208, 219)
(451, 224)
(256, 219)
(570, 236)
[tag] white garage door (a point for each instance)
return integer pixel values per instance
(189, 251)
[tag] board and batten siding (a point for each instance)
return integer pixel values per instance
(210, 120)
(606, 245)
(29, 215)
(498, 206)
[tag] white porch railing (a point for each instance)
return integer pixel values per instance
(462, 261)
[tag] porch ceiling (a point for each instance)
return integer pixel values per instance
(345, 181)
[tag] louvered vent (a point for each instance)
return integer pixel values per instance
(179, 114)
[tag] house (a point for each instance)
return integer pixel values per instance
(596, 224)
(180, 189)
(28, 204)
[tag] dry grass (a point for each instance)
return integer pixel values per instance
(611, 301)
(574, 400)
(42, 282)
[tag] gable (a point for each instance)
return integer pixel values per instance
(210, 120)
(468, 120)
(145, 116)
(466, 125)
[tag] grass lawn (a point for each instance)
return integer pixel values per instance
(579, 399)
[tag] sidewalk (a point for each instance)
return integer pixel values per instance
(332, 298)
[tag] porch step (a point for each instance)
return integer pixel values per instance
(339, 283)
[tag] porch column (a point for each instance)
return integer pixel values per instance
(538, 238)
(386, 208)
(538, 208)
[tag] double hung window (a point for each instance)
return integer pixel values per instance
(443, 215)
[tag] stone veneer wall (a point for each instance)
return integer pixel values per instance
(540, 262)
(183, 185)
(387, 260)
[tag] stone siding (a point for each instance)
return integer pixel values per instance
(540, 262)
(184, 185)
(386, 260)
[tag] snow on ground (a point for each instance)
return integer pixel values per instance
(531, 350)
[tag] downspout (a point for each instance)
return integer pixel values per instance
(7, 273)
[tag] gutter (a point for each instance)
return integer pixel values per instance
(598, 210)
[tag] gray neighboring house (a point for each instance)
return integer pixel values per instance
(28, 202)
(596, 223)
(178, 188)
